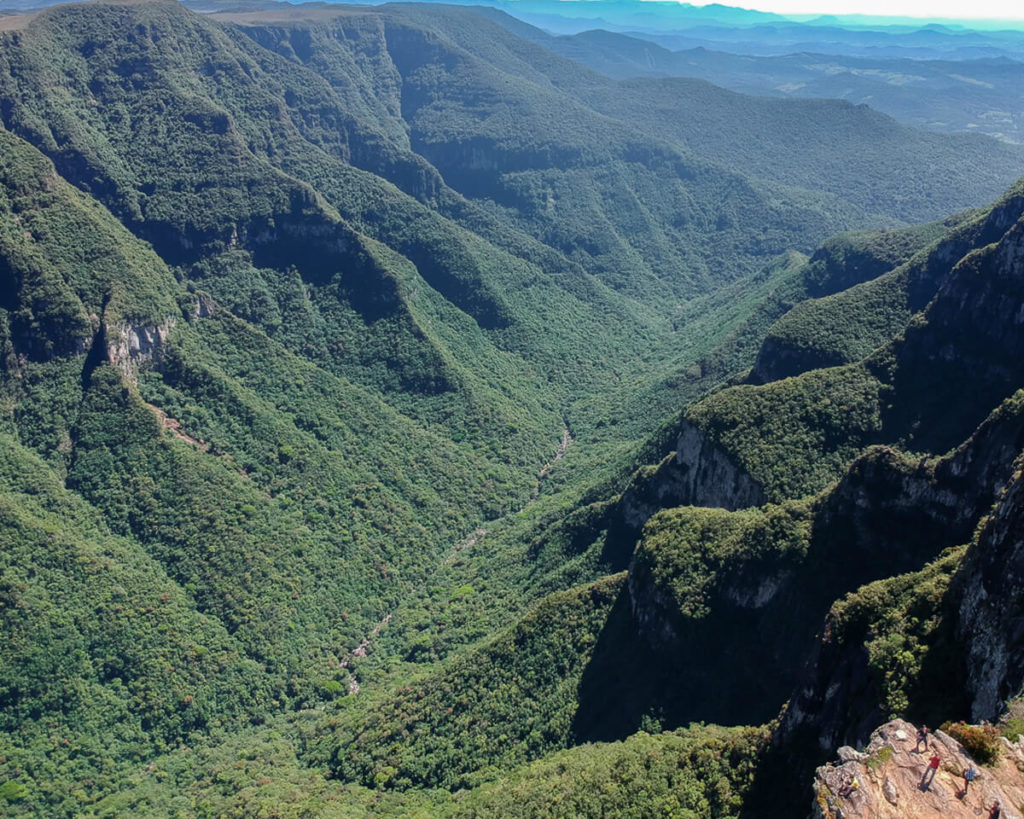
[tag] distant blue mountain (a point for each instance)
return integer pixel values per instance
(984, 93)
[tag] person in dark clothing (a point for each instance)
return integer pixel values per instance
(922, 736)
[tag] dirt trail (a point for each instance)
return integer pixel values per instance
(567, 440)
(474, 537)
(465, 543)
(360, 651)
(174, 427)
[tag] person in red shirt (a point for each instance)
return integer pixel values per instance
(929, 772)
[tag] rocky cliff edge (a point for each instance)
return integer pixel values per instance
(889, 773)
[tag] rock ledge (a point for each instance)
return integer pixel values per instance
(889, 772)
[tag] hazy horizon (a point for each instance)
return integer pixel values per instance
(924, 11)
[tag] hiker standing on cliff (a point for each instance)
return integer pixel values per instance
(930, 771)
(922, 736)
(969, 776)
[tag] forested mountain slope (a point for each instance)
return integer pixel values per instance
(794, 143)
(330, 343)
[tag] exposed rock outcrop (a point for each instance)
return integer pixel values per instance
(888, 501)
(961, 356)
(889, 515)
(990, 625)
(130, 345)
(838, 700)
(914, 282)
(756, 584)
(965, 353)
(698, 473)
(890, 771)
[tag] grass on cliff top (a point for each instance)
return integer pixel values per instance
(902, 621)
(689, 552)
(794, 436)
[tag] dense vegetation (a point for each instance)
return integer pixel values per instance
(899, 621)
(335, 345)
(451, 729)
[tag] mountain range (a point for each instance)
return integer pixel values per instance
(945, 95)
(401, 417)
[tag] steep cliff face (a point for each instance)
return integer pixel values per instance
(990, 617)
(698, 473)
(65, 263)
(927, 390)
(779, 358)
(727, 593)
(755, 583)
(849, 259)
(901, 516)
(965, 353)
(902, 511)
(129, 346)
(846, 325)
(355, 55)
(829, 302)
